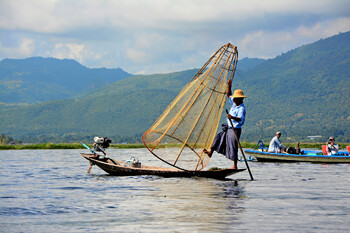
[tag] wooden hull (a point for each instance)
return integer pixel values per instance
(308, 157)
(120, 169)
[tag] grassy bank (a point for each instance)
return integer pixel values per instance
(52, 146)
(42, 146)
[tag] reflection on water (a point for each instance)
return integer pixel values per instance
(198, 202)
(49, 191)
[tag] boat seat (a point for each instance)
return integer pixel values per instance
(324, 149)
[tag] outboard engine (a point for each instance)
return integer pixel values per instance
(101, 142)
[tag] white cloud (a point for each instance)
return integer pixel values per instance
(72, 51)
(34, 15)
(267, 44)
(52, 16)
(324, 29)
(135, 55)
(163, 35)
(147, 41)
(24, 48)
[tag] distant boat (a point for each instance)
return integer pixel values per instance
(307, 156)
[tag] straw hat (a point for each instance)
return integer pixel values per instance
(278, 133)
(238, 94)
(331, 138)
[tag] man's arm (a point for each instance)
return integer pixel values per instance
(280, 145)
(232, 117)
(229, 86)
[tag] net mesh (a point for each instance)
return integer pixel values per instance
(190, 122)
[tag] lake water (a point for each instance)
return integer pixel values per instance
(50, 191)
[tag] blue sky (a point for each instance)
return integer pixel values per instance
(160, 36)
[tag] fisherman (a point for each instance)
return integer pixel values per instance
(332, 148)
(225, 142)
(275, 145)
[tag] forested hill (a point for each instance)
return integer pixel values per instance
(246, 63)
(302, 92)
(122, 111)
(38, 79)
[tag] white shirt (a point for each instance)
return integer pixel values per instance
(236, 111)
(333, 149)
(275, 145)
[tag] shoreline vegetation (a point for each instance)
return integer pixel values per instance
(52, 146)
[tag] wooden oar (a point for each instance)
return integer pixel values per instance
(106, 154)
(103, 151)
(91, 164)
(240, 147)
(93, 151)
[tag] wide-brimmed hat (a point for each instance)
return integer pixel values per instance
(238, 94)
(331, 138)
(278, 133)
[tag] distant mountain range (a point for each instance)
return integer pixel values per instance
(303, 92)
(246, 63)
(38, 79)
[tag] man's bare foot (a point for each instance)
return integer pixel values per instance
(234, 165)
(209, 153)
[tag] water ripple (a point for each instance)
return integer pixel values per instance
(49, 191)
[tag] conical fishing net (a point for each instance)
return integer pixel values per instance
(189, 124)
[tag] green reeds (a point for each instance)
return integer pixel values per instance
(52, 146)
(42, 146)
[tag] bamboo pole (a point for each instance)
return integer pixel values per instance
(240, 147)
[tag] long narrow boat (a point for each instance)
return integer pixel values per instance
(119, 168)
(307, 156)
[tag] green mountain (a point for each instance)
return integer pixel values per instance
(246, 63)
(38, 79)
(122, 111)
(301, 93)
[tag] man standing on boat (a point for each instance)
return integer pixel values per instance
(225, 142)
(275, 144)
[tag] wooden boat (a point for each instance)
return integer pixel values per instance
(119, 168)
(307, 156)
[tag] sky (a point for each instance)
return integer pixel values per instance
(162, 36)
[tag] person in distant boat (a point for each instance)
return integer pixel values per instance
(332, 148)
(275, 145)
(225, 142)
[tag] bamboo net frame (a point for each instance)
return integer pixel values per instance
(192, 118)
